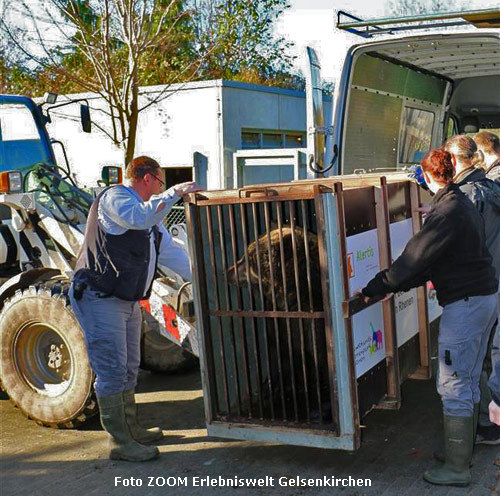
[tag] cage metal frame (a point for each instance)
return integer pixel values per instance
(338, 308)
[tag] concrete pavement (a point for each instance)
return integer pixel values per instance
(397, 448)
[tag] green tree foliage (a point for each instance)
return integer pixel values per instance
(238, 37)
(173, 59)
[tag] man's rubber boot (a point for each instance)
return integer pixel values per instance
(122, 445)
(458, 443)
(439, 453)
(138, 432)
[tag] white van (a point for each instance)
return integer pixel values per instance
(399, 96)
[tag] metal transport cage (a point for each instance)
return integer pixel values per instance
(289, 353)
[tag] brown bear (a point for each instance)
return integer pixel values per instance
(294, 342)
(238, 271)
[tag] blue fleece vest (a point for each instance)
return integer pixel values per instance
(120, 267)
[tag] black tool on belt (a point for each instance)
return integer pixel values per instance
(78, 289)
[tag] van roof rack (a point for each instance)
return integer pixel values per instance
(486, 18)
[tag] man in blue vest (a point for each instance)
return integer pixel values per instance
(124, 242)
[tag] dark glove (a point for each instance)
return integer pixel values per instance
(78, 289)
(377, 286)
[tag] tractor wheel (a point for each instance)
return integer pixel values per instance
(159, 354)
(43, 362)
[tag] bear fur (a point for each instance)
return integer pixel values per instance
(286, 297)
(238, 272)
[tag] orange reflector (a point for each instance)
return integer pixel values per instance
(4, 182)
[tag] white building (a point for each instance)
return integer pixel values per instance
(209, 130)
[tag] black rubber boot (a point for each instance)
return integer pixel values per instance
(458, 443)
(439, 453)
(122, 445)
(139, 433)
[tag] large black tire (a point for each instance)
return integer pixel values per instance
(44, 366)
(159, 354)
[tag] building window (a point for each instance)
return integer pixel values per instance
(250, 141)
(17, 123)
(177, 175)
(272, 139)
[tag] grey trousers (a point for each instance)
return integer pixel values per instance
(463, 338)
(112, 329)
(490, 372)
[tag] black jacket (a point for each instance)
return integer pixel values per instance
(485, 195)
(449, 250)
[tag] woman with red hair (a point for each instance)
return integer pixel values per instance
(450, 251)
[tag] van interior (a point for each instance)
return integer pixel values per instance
(409, 95)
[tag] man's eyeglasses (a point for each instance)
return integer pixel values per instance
(158, 179)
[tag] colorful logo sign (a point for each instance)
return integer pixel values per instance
(376, 342)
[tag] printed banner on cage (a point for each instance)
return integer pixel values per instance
(368, 325)
(362, 259)
(405, 304)
(368, 338)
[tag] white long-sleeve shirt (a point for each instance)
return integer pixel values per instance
(121, 208)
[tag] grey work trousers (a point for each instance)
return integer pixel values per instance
(491, 373)
(463, 337)
(112, 329)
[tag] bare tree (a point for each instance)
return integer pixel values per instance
(421, 7)
(115, 39)
(10, 56)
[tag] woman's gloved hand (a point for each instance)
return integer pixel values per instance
(417, 174)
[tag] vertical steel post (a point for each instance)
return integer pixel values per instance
(339, 197)
(424, 370)
(293, 226)
(263, 307)
(228, 302)
(244, 351)
(286, 308)
(274, 305)
(213, 264)
(325, 291)
(202, 315)
(391, 341)
(244, 228)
